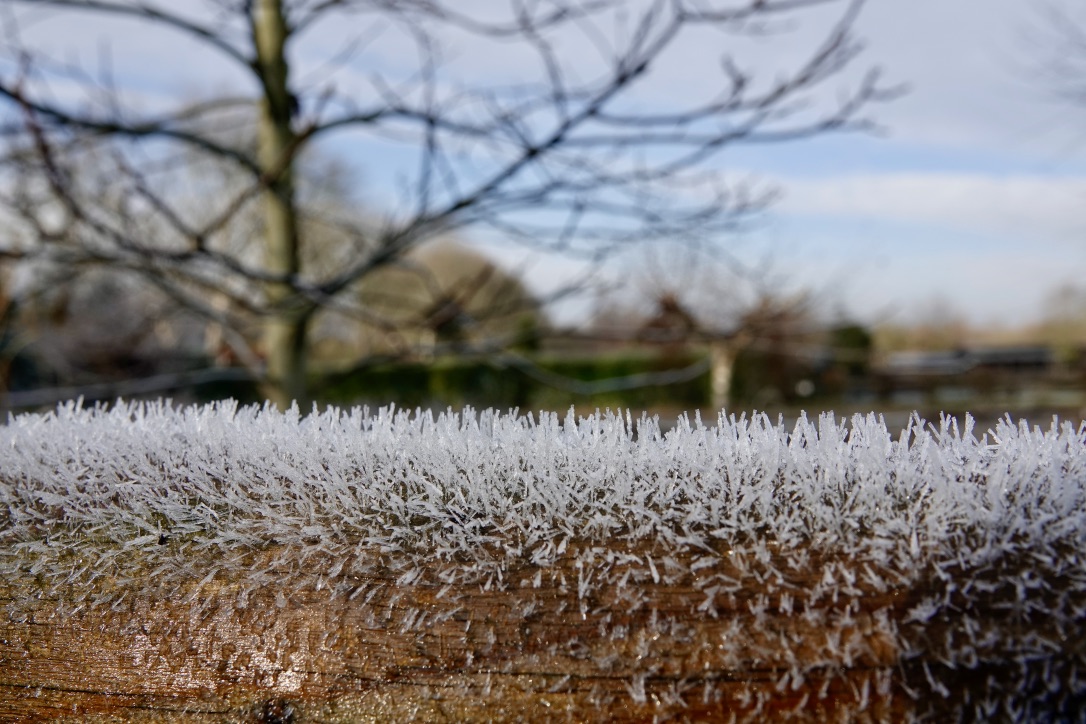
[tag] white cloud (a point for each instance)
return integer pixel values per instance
(1027, 208)
(972, 65)
(892, 280)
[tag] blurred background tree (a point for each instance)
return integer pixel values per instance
(210, 205)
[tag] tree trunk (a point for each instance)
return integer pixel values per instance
(722, 365)
(286, 327)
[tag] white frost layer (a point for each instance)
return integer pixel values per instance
(454, 484)
(981, 540)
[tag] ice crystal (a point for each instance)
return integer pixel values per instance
(996, 521)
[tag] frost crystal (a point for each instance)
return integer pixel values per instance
(797, 524)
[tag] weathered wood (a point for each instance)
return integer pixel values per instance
(366, 648)
(369, 649)
(401, 587)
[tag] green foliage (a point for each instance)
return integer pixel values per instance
(855, 344)
(483, 383)
(246, 393)
(695, 393)
(765, 377)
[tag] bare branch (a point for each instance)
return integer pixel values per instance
(566, 156)
(155, 14)
(111, 127)
(1060, 37)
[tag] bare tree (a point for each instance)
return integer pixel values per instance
(571, 155)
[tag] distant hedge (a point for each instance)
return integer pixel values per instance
(485, 383)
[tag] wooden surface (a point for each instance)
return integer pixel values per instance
(369, 648)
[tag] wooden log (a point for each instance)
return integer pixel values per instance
(428, 651)
(266, 570)
(370, 647)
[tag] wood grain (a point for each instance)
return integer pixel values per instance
(363, 648)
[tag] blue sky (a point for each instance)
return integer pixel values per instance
(977, 194)
(973, 197)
